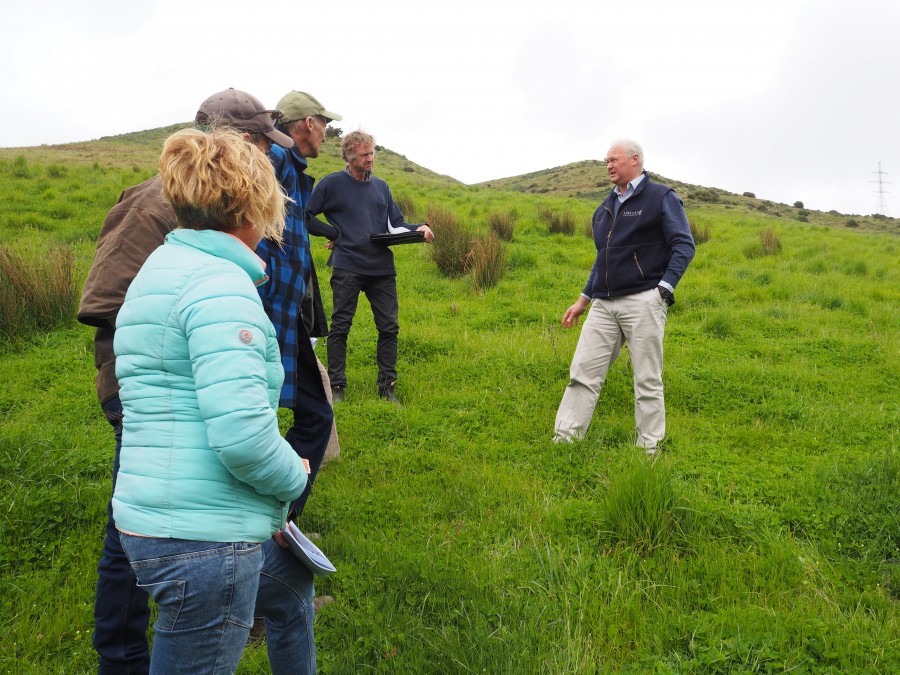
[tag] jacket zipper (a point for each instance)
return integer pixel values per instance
(608, 238)
(638, 265)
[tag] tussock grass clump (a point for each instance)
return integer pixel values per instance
(502, 224)
(452, 246)
(37, 292)
(700, 232)
(488, 262)
(768, 244)
(771, 244)
(407, 206)
(644, 509)
(557, 223)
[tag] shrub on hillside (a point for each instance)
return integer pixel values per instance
(502, 223)
(705, 196)
(750, 194)
(37, 292)
(852, 223)
(488, 262)
(452, 246)
(798, 204)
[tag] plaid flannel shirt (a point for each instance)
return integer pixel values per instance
(288, 266)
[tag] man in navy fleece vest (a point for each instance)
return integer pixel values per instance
(644, 246)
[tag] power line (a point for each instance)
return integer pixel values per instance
(881, 201)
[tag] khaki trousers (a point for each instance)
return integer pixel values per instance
(639, 321)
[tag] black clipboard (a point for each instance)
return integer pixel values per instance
(396, 238)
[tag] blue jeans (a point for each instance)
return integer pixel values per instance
(205, 593)
(121, 612)
(283, 594)
(285, 598)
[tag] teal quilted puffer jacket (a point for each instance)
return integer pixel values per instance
(200, 376)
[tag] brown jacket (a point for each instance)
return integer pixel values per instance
(133, 229)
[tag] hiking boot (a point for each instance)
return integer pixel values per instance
(337, 394)
(387, 393)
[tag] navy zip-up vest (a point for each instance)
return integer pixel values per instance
(632, 253)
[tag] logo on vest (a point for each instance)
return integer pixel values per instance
(245, 336)
(632, 213)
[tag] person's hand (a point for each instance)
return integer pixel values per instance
(329, 245)
(429, 235)
(306, 465)
(279, 538)
(570, 318)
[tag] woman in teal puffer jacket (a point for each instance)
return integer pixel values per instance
(205, 476)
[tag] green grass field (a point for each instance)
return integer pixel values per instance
(766, 538)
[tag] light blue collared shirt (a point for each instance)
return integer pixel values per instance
(629, 189)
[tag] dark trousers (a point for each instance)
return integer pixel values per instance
(121, 612)
(313, 416)
(381, 291)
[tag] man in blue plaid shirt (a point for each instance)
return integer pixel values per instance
(291, 297)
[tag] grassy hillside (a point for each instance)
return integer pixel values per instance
(766, 538)
(589, 180)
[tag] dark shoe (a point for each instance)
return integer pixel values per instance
(258, 631)
(387, 393)
(337, 395)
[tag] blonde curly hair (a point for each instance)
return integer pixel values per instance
(218, 180)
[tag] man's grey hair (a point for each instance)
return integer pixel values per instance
(630, 148)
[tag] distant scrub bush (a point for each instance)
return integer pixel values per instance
(798, 205)
(644, 509)
(750, 194)
(56, 171)
(803, 219)
(502, 223)
(700, 232)
(452, 246)
(488, 262)
(705, 196)
(852, 223)
(38, 292)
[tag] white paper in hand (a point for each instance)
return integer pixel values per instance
(306, 551)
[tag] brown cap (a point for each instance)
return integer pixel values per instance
(239, 110)
(298, 105)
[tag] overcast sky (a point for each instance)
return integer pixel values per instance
(789, 99)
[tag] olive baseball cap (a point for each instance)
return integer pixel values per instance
(239, 110)
(298, 105)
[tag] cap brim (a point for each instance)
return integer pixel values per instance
(279, 138)
(330, 116)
